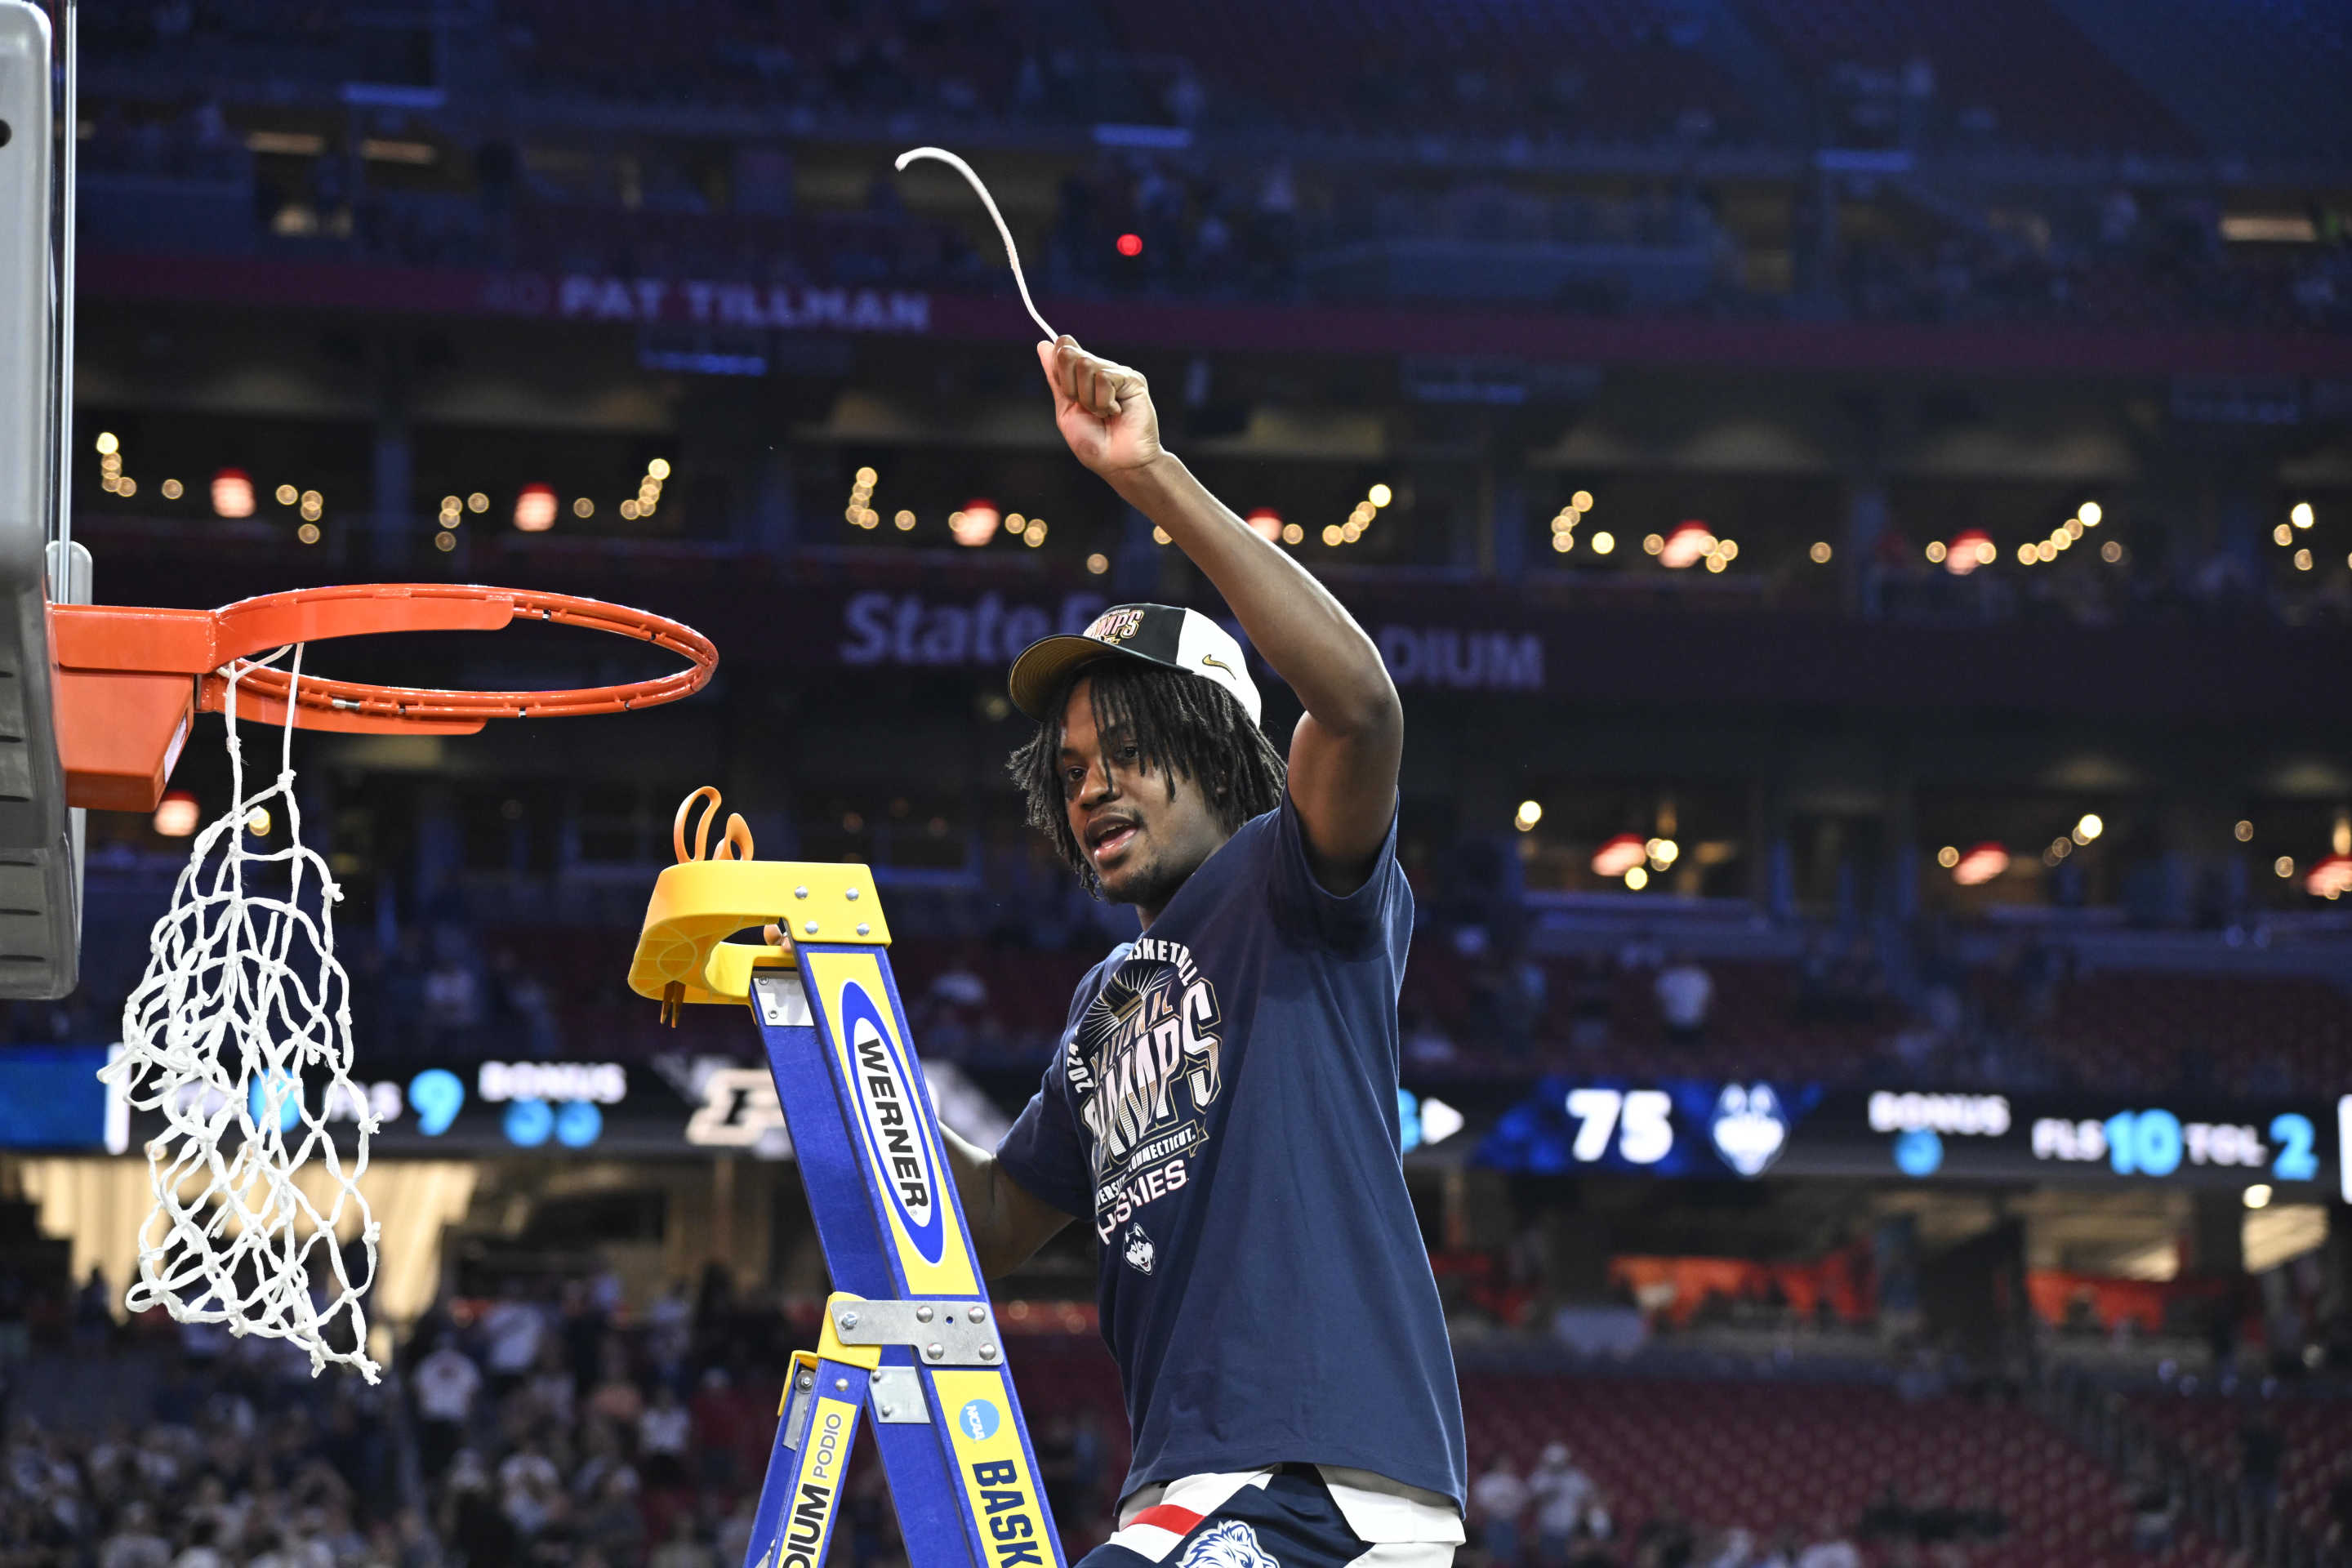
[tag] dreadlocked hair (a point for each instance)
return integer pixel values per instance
(1181, 725)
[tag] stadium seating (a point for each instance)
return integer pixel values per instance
(700, 51)
(1601, 70)
(2249, 1035)
(1768, 1456)
(1754, 1026)
(1466, 1016)
(1762, 1456)
(2315, 1436)
(2194, 53)
(2045, 83)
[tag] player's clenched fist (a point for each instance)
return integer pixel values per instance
(1103, 409)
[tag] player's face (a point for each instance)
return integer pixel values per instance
(1143, 841)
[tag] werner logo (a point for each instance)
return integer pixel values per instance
(891, 1122)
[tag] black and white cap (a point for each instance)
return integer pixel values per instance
(1158, 634)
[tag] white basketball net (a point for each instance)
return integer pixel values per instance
(244, 1022)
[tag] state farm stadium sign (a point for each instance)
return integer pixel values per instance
(887, 628)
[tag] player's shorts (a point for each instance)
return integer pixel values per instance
(1294, 1516)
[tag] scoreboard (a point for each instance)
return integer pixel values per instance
(1743, 1128)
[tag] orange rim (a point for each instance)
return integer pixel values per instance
(120, 640)
(250, 625)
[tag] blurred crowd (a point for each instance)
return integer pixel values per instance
(1158, 217)
(541, 1425)
(238, 1457)
(553, 1426)
(1192, 226)
(985, 973)
(1556, 1516)
(2235, 580)
(545, 1433)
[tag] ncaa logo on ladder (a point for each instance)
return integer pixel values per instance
(891, 1121)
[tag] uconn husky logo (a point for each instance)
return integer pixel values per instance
(1749, 1128)
(1230, 1544)
(890, 1121)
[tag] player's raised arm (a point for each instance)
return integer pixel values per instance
(1344, 753)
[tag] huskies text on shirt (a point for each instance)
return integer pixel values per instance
(1223, 1109)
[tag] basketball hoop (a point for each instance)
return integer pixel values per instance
(129, 681)
(243, 1019)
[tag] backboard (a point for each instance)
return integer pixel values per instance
(40, 838)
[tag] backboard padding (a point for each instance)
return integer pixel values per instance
(40, 902)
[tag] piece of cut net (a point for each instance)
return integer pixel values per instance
(1003, 232)
(240, 1036)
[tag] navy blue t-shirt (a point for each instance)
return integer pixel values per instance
(1223, 1108)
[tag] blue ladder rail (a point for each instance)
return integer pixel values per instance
(910, 1340)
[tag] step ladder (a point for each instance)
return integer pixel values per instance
(910, 1340)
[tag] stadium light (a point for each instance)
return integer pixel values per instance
(1687, 546)
(1620, 855)
(976, 524)
(1981, 865)
(176, 816)
(535, 508)
(2330, 878)
(232, 493)
(1969, 549)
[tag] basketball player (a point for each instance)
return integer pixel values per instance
(1223, 1107)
